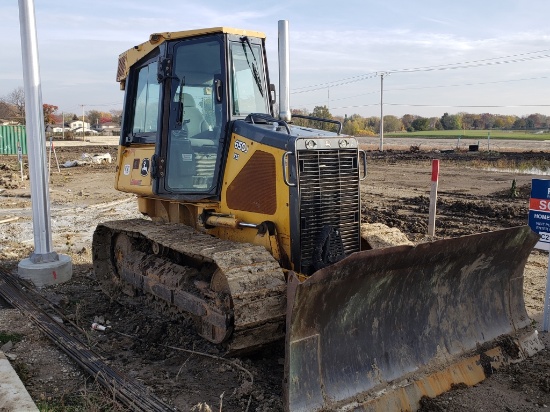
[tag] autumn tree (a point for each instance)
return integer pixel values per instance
(49, 113)
(487, 120)
(392, 124)
(536, 121)
(95, 117)
(421, 124)
(352, 125)
(351, 128)
(322, 112)
(451, 121)
(407, 120)
(105, 118)
(470, 121)
(520, 123)
(505, 121)
(435, 123)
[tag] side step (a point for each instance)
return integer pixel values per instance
(382, 328)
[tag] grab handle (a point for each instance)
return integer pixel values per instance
(285, 170)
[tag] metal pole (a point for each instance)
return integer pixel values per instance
(381, 112)
(433, 197)
(34, 116)
(284, 72)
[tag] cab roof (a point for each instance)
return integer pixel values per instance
(131, 56)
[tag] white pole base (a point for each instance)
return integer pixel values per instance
(46, 274)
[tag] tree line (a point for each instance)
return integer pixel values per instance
(12, 109)
(357, 125)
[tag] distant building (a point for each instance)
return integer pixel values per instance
(56, 128)
(76, 126)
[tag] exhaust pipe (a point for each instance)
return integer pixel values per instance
(284, 70)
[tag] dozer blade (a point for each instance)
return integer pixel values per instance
(382, 328)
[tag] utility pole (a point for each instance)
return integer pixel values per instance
(382, 74)
(82, 122)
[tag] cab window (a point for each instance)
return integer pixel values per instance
(146, 103)
(247, 79)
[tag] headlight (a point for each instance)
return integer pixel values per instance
(343, 143)
(310, 144)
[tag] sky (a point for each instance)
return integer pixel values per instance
(490, 56)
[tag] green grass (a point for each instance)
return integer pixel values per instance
(473, 134)
(5, 337)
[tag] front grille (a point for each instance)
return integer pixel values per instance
(328, 182)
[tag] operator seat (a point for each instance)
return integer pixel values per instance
(196, 123)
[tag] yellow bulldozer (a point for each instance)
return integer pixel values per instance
(254, 232)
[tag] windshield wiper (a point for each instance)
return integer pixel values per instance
(179, 117)
(253, 66)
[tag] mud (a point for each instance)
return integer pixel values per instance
(168, 358)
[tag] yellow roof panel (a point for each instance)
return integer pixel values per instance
(131, 56)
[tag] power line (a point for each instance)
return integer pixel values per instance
(443, 106)
(468, 65)
(472, 106)
(450, 66)
(462, 84)
(426, 87)
(347, 79)
(334, 84)
(482, 60)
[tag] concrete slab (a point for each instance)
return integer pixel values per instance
(13, 394)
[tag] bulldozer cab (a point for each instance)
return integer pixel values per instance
(183, 95)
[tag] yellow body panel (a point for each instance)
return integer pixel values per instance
(240, 152)
(134, 176)
(134, 169)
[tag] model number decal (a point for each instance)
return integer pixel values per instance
(241, 146)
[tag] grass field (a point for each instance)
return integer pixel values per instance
(473, 134)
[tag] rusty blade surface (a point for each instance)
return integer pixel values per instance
(382, 314)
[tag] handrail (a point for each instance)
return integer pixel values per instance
(320, 119)
(267, 117)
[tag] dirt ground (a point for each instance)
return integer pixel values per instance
(476, 194)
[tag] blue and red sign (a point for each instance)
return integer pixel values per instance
(539, 211)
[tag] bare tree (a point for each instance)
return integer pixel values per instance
(7, 111)
(116, 116)
(17, 99)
